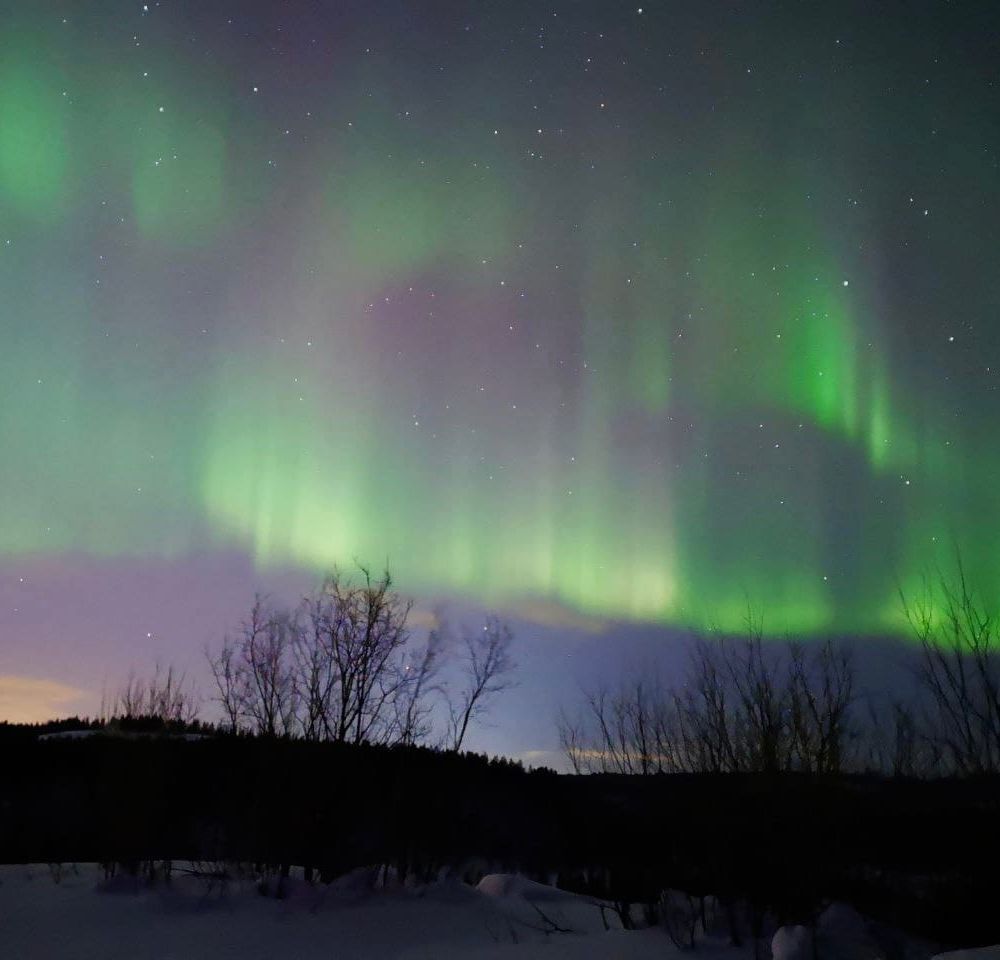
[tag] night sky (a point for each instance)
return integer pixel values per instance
(608, 317)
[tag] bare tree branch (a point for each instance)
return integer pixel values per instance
(488, 668)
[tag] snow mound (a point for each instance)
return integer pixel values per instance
(516, 885)
(841, 921)
(980, 953)
(69, 735)
(841, 934)
(547, 909)
(791, 943)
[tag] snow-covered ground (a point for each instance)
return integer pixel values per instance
(81, 918)
(75, 913)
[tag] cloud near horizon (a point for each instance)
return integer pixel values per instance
(33, 700)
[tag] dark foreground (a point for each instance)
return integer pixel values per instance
(920, 855)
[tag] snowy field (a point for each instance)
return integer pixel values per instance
(81, 918)
(75, 914)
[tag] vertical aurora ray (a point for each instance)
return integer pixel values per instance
(34, 148)
(36, 130)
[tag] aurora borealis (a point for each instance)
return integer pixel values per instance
(637, 313)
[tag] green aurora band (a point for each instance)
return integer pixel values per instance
(214, 340)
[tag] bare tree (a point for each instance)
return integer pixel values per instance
(572, 741)
(636, 719)
(609, 750)
(364, 626)
(412, 704)
(488, 668)
(644, 727)
(750, 706)
(706, 734)
(959, 673)
(633, 730)
(742, 706)
(316, 678)
(763, 741)
(340, 667)
(167, 695)
(254, 672)
(820, 696)
(269, 637)
(228, 671)
(896, 743)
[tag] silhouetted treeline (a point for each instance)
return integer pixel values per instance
(917, 853)
(145, 725)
